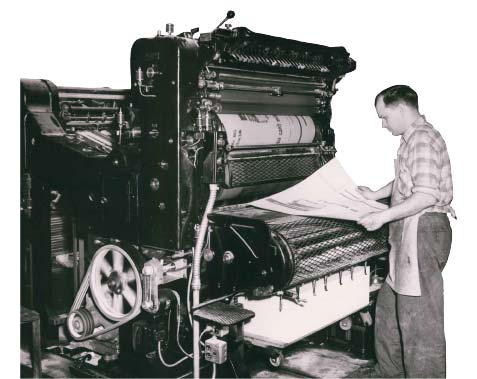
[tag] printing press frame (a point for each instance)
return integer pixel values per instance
(118, 181)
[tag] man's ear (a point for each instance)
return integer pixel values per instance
(401, 107)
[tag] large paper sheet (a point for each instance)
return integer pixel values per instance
(266, 129)
(329, 192)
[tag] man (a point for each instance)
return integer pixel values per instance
(409, 327)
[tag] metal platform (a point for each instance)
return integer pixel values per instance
(223, 314)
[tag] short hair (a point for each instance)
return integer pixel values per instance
(398, 93)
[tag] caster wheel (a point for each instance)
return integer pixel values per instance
(275, 360)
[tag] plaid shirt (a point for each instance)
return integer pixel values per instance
(423, 165)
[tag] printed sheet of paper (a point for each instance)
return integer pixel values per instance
(328, 192)
(265, 129)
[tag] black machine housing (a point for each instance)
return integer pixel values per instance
(133, 167)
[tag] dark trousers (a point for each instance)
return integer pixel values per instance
(409, 330)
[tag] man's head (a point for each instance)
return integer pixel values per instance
(397, 107)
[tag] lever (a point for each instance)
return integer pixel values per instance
(294, 298)
(230, 14)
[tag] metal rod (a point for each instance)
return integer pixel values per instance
(178, 151)
(101, 96)
(36, 349)
(105, 118)
(95, 109)
(274, 90)
(81, 262)
(330, 242)
(265, 149)
(103, 90)
(208, 302)
(196, 283)
(272, 156)
(272, 80)
(212, 67)
(76, 274)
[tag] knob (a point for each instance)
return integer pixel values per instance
(154, 184)
(208, 255)
(228, 257)
(169, 28)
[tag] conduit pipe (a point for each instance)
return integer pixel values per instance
(199, 244)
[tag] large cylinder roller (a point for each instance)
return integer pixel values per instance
(265, 251)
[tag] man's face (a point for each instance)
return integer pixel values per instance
(392, 117)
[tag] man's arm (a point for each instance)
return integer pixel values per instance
(423, 161)
(415, 203)
(379, 194)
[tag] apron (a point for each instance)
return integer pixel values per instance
(403, 275)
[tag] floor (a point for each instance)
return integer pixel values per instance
(303, 360)
(308, 360)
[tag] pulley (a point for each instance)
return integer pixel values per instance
(80, 323)
(114, 284)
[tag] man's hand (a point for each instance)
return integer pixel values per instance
(373, 221)
(367, 193)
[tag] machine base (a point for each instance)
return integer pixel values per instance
(333, 299)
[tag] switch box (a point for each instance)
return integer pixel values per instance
(215, 350)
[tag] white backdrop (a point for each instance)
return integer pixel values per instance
(428, 45)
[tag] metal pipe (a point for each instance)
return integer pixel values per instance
(265, 150)
(88, 108)
(100, 118)
(245, 87)
(271, 156)
(86, 124)
(278, 75)
(273, 90)
(214, 188)
(101, 96)
(178, 151)
(273, 80)
(203, 304)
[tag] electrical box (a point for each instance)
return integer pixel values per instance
(215, 350)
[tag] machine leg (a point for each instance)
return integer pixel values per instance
(236, 355)
(36, 349)
(27, 316)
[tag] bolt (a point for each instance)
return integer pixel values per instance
(154, 184)
(228, 257)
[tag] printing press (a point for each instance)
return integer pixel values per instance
(139, 248)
